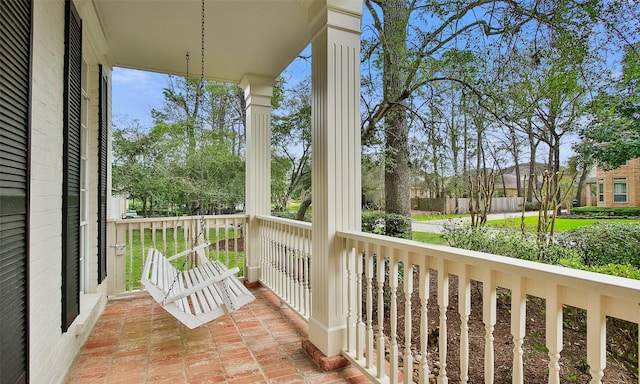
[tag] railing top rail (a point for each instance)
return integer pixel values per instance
(624, 288)
(282, 220)
(180, 218)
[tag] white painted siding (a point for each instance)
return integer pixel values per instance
(51, 351)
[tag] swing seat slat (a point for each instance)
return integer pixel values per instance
(195, 296)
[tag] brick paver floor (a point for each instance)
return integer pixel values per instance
(136, 341)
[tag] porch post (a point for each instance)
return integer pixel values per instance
(257, 94)
(336, 179)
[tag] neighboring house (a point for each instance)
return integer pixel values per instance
(506, 185)
(56, 60)
(619, 187)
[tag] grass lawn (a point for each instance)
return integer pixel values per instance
(294, 206)
(429, 238)
(562, 224)
(134, 264)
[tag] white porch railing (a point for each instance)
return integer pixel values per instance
(285, 258)
(130, 239)
(383, 270)
(375, 261)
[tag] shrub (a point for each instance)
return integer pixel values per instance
(387, 224)
(628, 271)
(505, 243)
(605, 243)
(603, 211)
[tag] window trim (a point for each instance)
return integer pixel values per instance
(625, 194)
(601, 191)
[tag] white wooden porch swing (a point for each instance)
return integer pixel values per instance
(204, 291)
(197, 295)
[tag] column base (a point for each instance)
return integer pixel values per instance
(326, 363)
(252, 274)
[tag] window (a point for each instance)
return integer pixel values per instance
(619, 190)
(601, 190)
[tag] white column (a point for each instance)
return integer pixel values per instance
(257, 94)
(336, 175)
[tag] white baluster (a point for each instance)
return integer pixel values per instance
(554, 332)
(489, 319)
(443, 304)
(518, 322)
(380, 350)
(307, 274)
(369, 302)
(408, 289)
(352, 300)
(596, 339)
(424, 322)
(464, 309)
(393, 284)
(360, 339)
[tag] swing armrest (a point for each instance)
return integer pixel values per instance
(189, 251)
(201, 285)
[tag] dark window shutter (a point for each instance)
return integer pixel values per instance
(102, 175)
(71, 160)
(15, 67)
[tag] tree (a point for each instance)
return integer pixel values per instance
(405, 36)
(613, 135)
(193, 154)
(139, 167)
(579, 166)
(291, 141)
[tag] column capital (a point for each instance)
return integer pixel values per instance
(340, 14)
(258, 90)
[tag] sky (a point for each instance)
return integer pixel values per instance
(135, 93)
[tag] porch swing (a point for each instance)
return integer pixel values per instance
(196, 295)
(204, 291)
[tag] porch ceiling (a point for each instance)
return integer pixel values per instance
(256, 37)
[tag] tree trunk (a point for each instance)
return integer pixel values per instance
(533, 146)
(516, 159)
(396, 126)
(581, 182)
(302, 210)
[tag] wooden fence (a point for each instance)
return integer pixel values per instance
(447, 205)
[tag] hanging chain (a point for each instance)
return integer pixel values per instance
(202, 44)
(202, 210)
(202, 228)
